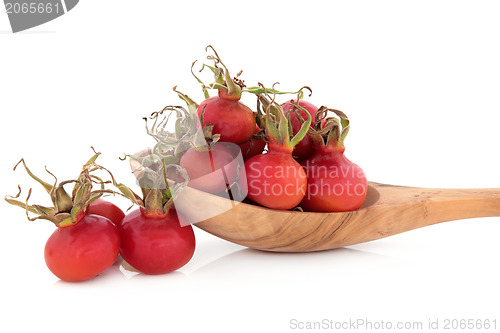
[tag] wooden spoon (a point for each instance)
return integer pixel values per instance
(388, 210)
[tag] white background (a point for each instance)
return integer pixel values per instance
(420, 81)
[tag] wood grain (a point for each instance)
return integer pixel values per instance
(388, 210)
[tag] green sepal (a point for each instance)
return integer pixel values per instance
(191, 104)
(67, 220)
(153, 203)
(125, 191)
(92, 160)
(218, 76)
(59, 197)
(226, 83)
(262, 90)
(269, 119)
(35, 209)
(284, 130)
(304, 128)
(278, 125)
(203, 86)
(42, 210)
(48, 187)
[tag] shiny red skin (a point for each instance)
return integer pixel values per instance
(107, 209)
(275, 180)
(233, 120)
(334, 183)
(303, 149)
(253, 146)
(156, 244)
(84, 250)
(204, 168)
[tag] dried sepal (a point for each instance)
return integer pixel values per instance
(159, 181)
(203, 87)
(67, 210)
(330, 131)
(223, 80)
(123, 189)
(187, 132)
(35, 209)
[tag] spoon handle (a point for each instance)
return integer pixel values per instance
(401, 209)
(463, 204)
(440, 205)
